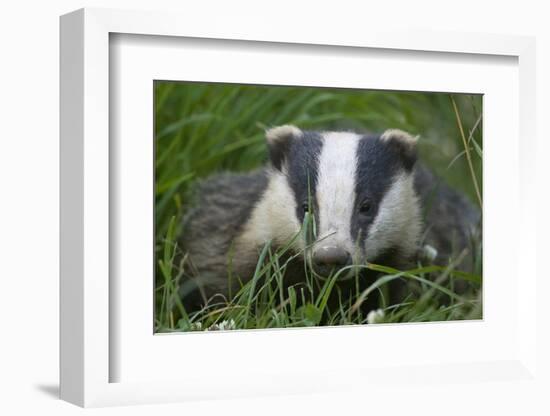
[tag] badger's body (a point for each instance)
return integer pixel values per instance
(370, 200)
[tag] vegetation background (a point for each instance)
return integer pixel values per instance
(201, 129)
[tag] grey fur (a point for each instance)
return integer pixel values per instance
(222, 205)
(451, 221)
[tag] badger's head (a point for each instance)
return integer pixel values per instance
(359, 189)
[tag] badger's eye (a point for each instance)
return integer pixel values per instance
(365, 207)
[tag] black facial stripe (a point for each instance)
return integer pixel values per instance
(377, 165)
(302, 165)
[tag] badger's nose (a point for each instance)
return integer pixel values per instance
(331, 256)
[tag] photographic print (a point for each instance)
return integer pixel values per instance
(289, 207)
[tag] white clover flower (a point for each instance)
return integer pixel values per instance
(196, 326)
(227, 325)
(376, 316)
(223, 326)
(429, 253)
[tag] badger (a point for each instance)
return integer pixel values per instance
(370, 199)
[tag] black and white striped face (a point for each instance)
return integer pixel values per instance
(359, 189)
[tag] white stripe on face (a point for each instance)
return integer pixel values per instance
(335, 189)
(398, 221)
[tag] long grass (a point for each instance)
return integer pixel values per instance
(201, 129)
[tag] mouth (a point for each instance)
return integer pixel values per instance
(327, 271)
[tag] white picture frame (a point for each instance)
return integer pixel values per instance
(88, 306)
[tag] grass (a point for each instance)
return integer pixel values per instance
(201, 129)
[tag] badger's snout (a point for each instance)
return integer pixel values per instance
(327, 258)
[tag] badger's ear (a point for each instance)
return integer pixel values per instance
(278, 143)
(403, 143)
